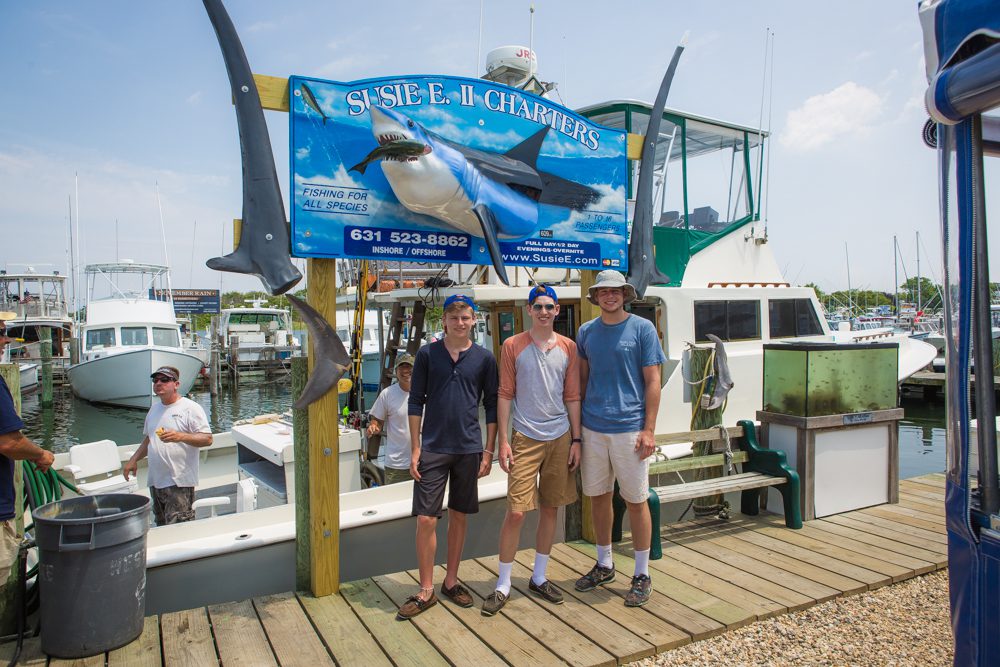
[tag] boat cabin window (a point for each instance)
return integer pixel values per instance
(165, 337)
(134, 336)
(793, 317)
(344, 335)
(729, 320)
(100, 338)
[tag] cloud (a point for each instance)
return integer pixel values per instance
(194, 98)
(848, 110)
(261, 26)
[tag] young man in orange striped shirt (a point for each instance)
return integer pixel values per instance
(540, 387)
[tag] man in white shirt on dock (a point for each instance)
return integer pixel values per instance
(389, 416)
(175, 429)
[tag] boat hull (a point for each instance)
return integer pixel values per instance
(123, 379)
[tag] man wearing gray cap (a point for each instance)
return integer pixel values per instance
(390, 416)
(174, 430)
(620, 358)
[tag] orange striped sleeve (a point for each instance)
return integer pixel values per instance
(512, 347)
(571, 385)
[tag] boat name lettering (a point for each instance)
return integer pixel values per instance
(405, 94)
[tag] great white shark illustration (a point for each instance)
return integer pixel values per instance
(487, 195)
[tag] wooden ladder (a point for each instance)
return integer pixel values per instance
(397, 322)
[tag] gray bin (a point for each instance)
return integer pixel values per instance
(91, 572)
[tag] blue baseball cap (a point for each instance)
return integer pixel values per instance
(460, 298)
(541, 289)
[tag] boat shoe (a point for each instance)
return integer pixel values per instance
(457, 594)
(494, 603)
(546, 590)
(597, 576)
(415, 606)
(638, 594)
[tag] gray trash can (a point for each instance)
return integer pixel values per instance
(91, 572)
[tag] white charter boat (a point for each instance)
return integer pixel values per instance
(128, 335)
(39, 301)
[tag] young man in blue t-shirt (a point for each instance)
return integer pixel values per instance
(450, 378)
(620, 358)
(13, 447)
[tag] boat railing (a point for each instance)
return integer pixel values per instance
(31, 306)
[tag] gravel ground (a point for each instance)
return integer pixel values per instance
(904, 624)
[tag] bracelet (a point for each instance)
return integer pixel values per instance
(576, 440)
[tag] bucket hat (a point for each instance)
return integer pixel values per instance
(610, 278)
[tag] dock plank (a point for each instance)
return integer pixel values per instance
(909, 517)
(614, 638)
(187, 638)
(661, 636)
(921, 491)
(931, 546)
(91, 661)
(504, 636)
(441, 628)
(761, 568)
(790, 599)
(31, 653)
(936, 557)
(879, 523)
(748, 533)
(344, 635)
(925, 505)
(143, 652)
(933, 481)
(546, 626)
(906, 565)
(239, 636)
(752, 603)
(799, 567)
(890, 571)
(728, 615)
(401, 641)
(288, 630)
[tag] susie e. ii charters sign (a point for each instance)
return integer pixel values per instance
(450, 169)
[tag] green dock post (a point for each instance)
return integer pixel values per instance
(45, 342)
(300, 444)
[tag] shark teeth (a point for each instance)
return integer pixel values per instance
(383, 139)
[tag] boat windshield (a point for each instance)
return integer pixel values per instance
(97, 338)
(165, 337)
(135, 336)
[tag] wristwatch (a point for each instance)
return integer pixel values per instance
(576, 440)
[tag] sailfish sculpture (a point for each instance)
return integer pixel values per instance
(264, 248)
(642, 271)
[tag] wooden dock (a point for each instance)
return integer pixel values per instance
(931, 383)
(714, 576)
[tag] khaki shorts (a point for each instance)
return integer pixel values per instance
(540, 473)
(607, 456)
(397, 475)
(9, 542)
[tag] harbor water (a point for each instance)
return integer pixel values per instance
(72, 421)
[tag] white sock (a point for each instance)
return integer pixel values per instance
(503, 582)
(541, 562)
(604, 556)
(642, 563)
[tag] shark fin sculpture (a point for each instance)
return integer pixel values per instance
(332, 360)
(642, 271)
(264, 249)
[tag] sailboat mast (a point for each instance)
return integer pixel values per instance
(895, 276)
(918, 274)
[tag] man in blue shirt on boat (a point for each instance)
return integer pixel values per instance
(175, 428)
(620, 358)
(13, 447)
(450, 378)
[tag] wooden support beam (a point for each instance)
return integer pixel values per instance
(324, 449)
(588, 311)
(274, 93)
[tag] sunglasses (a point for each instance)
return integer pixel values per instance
(163, 378)
(537, 307)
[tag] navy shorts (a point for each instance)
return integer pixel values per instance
(459, 471)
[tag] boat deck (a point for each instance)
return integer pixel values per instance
(714, 576)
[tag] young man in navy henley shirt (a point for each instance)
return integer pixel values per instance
(450, 378)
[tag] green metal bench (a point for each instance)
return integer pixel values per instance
(762, 468)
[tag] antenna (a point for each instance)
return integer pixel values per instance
(194, 235)
(72, 255)
(163, 235)
(531, 41)
(479, 49)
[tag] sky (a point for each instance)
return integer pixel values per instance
(128, 105)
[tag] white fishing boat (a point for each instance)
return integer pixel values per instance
(255, 336)
(39, 301)
(127, 335)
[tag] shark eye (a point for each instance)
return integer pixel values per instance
(409, 123)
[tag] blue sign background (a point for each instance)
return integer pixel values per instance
(343, 204)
